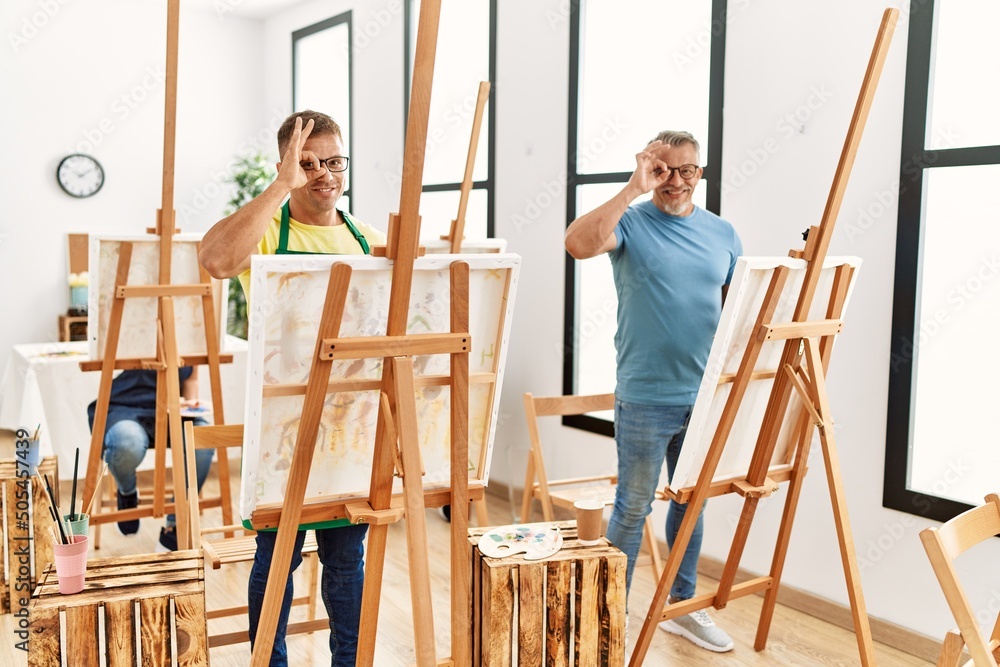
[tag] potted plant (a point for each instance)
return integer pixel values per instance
(251, 174)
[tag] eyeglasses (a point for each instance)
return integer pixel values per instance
(685, 170)
(334, 164)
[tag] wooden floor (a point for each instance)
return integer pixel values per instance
(795, 639)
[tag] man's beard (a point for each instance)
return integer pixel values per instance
(679, 209)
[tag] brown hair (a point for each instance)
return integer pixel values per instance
(322, 124)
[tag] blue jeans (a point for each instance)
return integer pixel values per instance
(645, 435)
(341, 550)
(125, 445)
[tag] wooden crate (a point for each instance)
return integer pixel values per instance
(565, 611)
(164, 594)
(26, 520)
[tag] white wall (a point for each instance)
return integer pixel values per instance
(88, 77)
(782, 56)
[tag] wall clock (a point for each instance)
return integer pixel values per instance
(80, 175)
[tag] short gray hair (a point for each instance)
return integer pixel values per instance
(678, 138)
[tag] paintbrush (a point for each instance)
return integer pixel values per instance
(52, 498)
(72, 497)
(62, 533)
(97, 487)
(37, 431)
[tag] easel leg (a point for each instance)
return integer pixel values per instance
(784, 534)
(379, 498)
(846, 539)
(416, 528)
(461, 572)
(107, 371)
(174, 422)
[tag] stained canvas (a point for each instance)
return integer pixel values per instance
(286, 302)
(137, 337)
(746, 294)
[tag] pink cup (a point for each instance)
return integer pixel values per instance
(71, 564)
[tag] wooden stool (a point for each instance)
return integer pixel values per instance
(25, 553)
(537, 594)
(169, 591)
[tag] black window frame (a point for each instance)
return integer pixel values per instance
(712, 177)
(489, 183)
(343, 18)
(915, 160)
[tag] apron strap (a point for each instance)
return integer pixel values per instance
(283, 234)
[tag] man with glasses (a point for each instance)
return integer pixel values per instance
(311, 174)
(672, 263)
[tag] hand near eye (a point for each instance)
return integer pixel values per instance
(290, 171)
(650, 171)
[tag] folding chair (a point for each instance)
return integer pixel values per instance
(241, 548)
(943, 544)
(565, 492)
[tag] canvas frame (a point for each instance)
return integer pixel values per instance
(138, 336)
(747, 291)
(285, 306)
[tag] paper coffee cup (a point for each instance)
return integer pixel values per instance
(589, 521)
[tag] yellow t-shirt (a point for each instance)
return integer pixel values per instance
(335, 240)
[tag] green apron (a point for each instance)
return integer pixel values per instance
(283, 235)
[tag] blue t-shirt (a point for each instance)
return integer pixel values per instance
(669, 273)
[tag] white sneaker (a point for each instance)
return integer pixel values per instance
(699, 629)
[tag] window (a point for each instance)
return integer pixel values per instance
(321, 76)
(466, 55)
(941, 450)
(605, 133)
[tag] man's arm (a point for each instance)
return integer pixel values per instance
(593, 233)
(226, 247)
(189, 388)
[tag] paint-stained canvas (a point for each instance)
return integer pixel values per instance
(286, 301)
(736, 326)
(137, 337)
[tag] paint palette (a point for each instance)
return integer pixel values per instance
(535, 541)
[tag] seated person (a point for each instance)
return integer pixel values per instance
(130, 430)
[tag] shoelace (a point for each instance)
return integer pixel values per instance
(702, 617)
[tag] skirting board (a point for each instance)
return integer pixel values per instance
(883, 632)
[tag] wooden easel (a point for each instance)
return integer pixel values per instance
(167, 360)
(397, 426)
(803, 368)
(457, 232)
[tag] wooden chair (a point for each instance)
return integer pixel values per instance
(233, 548)
(565, 492)
(943, 545)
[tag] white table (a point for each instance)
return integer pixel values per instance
(43, 385)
